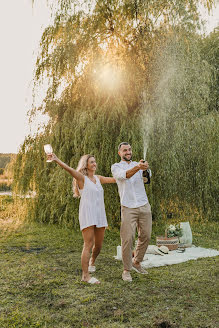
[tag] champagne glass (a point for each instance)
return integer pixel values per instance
(48, 150)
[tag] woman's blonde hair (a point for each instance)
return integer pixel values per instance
(82, 168)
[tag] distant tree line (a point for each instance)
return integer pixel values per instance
(6, 171)
(4, 160)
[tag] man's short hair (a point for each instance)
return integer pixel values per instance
(122, 143)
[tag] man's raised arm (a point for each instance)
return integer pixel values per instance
(120, 174)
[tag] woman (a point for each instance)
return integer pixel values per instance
(92, 216)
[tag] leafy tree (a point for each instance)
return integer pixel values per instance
(123, 71)
(210, 53)
(183, 147)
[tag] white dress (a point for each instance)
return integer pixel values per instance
(92, 209)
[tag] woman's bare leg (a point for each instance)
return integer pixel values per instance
(98, 241)
(88, 236)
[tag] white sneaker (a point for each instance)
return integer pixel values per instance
(126, 276)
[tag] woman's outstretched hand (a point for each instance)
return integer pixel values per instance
(52, 157)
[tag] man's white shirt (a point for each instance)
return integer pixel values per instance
(131, 190)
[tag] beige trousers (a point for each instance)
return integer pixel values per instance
(131, 218)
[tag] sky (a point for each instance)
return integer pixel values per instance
(21, 27)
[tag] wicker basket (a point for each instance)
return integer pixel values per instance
(172, 243)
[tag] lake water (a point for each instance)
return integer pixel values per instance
(5, 193)
(9, 193)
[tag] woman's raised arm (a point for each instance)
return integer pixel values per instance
(77, 175)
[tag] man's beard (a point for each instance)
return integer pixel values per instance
(126, 159)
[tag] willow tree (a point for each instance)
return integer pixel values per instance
(184, 143)
(100, 59)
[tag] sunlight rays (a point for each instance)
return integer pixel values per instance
(107, 77)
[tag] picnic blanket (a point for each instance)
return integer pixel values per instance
(173, 257)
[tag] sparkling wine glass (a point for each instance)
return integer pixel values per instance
(48, 150)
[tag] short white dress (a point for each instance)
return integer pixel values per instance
(92, 209)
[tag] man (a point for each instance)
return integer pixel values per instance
(135, 209)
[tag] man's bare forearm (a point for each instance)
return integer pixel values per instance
(132, 171)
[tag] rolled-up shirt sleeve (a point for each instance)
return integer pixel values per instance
(118, 173)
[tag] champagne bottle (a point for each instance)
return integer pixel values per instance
(147, 176)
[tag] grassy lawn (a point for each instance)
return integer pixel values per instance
(40, 283)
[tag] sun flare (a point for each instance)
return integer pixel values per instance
(108, 77)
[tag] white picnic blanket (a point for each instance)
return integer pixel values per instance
(191, 253)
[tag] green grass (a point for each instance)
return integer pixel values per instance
(40, 284)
